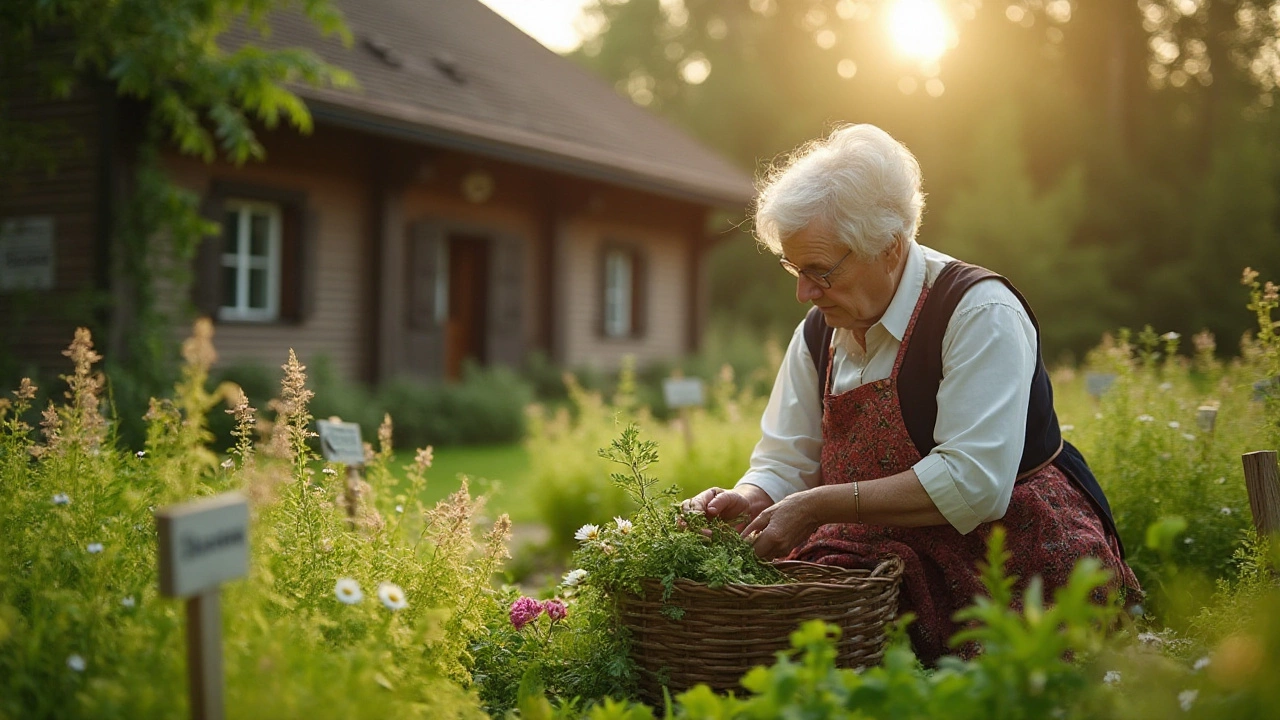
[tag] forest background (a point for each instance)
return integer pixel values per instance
(1114, 158)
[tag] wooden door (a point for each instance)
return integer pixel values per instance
(468, 302)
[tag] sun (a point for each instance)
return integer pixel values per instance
(919, 28)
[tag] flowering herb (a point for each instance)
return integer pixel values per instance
(524, 611)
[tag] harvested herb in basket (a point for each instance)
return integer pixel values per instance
(658, 541)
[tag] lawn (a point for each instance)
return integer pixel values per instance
(500, 471)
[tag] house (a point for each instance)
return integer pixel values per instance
(477, 196)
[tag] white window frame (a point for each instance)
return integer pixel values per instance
(619, 284)
(237, 308)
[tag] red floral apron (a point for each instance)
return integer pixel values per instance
(1049, 524)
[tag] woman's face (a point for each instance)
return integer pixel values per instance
(860, 291)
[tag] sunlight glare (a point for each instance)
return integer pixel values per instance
(919, 28)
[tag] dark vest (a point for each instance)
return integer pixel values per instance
(921, 375)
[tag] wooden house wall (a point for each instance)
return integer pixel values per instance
(36, 325)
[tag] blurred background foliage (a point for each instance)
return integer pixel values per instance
(1112, 157)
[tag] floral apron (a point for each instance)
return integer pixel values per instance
(1049, 524)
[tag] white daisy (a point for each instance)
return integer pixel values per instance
(61, 499)
(1068, 428)
(348, 591)
(128, 601)
(587, 532)
(573, 578)
(1145, 418)
(1188, 436)
(75, 662)
(1170, 336)
(329, 471)
(1175, 424)
(624, 526)
(1188, 540)
(1187, 698)
(399, 508)
(228, 464)
(1226, 511)
(1112, 677)
(392, 596)
(94, 548)
(141, 453)
(1201, 664)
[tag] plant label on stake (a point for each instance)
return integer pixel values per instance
(203, 544)
(683, 393)
(340, 443)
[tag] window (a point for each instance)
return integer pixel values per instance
(251, 261)
(623, 285)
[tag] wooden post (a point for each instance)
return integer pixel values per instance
(204, 654)
(353, 494)
(688, 428)
(1262, 479)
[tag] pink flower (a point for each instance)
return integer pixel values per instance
(524, 611)
(555, 610)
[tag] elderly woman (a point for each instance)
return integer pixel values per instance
(912, 410)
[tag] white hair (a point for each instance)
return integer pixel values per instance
(859, 183)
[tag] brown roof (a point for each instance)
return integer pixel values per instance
(454, 73)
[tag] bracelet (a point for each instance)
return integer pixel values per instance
(857, 504)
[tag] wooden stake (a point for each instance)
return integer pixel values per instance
(1262, 480)
(688, 428)
(204, 655)
(353, 494)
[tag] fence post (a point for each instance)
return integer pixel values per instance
(1262, 479)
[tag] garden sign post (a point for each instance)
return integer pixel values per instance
(203, 544)
(1262, 480)
(683, 393)
(340, 443)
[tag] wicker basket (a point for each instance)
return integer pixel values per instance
(726, 631)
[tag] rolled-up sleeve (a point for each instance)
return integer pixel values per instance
(988, 359)
(788, 457)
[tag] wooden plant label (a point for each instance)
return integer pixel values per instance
(203, 544)
(683, 392)
(340, 442)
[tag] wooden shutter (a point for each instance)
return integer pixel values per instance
(424, 333)
(504, 328)
(206, 286)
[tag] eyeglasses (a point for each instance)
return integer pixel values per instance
(822, 280)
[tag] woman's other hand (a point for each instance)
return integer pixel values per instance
(745, 501)
(781, 528)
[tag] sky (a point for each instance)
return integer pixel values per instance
(551, 22)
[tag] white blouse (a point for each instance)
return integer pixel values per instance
(988, 358)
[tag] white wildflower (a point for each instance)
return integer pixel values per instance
(1175, 424)
(1112, 677)
(348, 591)
(1166, 386)
(574, 578)
(1188, 437)
(392, 596)
(128, 601)
(399, 508)
(624, 526)
(61, 499)
(1226, 511)
(1145, 418)
(1188, 540)
(141, 453)
(587, 533)
(1170, 336)
(329, 471)
(1187, 698)
(94, 548)
(1068, 428)
(1220, 481)
(75, 662)
(228, 464)
(1201, 664)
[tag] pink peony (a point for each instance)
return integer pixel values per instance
(524, 611)
(555, 610)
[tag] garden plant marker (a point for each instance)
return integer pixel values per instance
(203, 544)
(340, 443)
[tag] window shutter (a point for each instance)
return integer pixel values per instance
(206, 287)
(639, 293)
(504, 332)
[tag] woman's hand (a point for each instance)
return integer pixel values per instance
(746, 501)
(781, 528)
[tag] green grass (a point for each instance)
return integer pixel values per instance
(500, 471)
